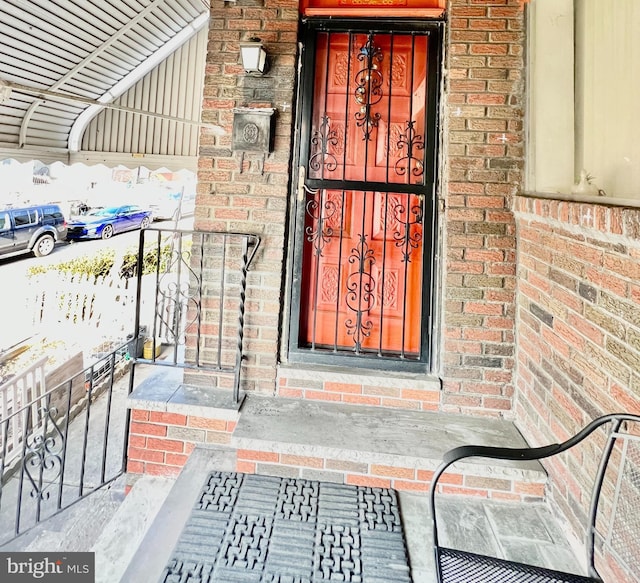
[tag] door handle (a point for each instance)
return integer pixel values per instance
(302, 187)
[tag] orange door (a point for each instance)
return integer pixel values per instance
(362, 276)
(364, 272)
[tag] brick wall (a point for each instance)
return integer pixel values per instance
(483, 170)
(360, 389)
(482, 161)
(160, 443)
(362, 472)
(248, 193)
(578, 327)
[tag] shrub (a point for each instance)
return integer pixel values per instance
(98, 265)
(102, 263)
(128, 268)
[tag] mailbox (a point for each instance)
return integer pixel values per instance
(253, 129)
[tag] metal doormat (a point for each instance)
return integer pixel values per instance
(247, 528)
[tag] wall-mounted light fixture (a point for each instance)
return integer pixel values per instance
(253, 56)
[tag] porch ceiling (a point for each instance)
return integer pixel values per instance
(63, 62)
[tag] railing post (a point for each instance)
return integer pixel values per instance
(240, 338)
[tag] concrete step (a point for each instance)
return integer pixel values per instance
(154, 550)
(119, 539)
(376, 446)
(74, 529)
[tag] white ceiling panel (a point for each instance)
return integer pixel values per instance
(87, 75)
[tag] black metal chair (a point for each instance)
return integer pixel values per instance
(613, 529)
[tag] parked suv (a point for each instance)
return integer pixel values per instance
(31, 229)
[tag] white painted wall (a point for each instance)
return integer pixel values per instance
(608, 86)
(551, 98)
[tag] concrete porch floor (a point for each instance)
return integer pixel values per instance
(133, 536)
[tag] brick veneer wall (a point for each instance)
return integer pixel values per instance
(361, 394)
(248, 193)
(578, 327)
(483, 161)
(160, 442)
(399, 477)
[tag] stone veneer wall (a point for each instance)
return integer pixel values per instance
(482, 170)
(578, 328)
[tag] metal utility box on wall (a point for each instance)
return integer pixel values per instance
(253, 129)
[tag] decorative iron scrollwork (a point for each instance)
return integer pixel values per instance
(361, 292)
(369, 87)
(43, 454)
(320, 212)
(175, 297)
(412, 142)
(408, 239)
(322, 139)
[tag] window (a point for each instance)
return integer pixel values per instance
(51, 215)
(24, 218)
(583, 89)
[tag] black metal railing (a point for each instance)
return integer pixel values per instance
(72, 443)
(191, 299)
(58, 446)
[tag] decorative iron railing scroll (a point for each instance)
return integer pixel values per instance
(408, 216)
(361, 292)
(320, 209)
(322, 139)
(199, 291)
(412, 142)
(71, 443)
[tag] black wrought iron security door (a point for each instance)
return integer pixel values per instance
(365, 204)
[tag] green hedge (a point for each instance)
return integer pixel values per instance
(98, 265)
(102, 263)
(150, 261)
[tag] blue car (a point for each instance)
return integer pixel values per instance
(105, 222)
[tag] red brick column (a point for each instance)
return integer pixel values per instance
(248, 192)
(483, 158)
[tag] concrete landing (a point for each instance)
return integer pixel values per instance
(398, 448)
(528, 533)
(525, 532)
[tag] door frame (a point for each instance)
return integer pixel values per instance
(291, 352)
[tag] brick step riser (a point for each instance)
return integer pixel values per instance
(378, 393)
(387, 476)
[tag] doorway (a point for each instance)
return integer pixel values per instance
(365, 199)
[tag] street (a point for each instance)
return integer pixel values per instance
(16, 319)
